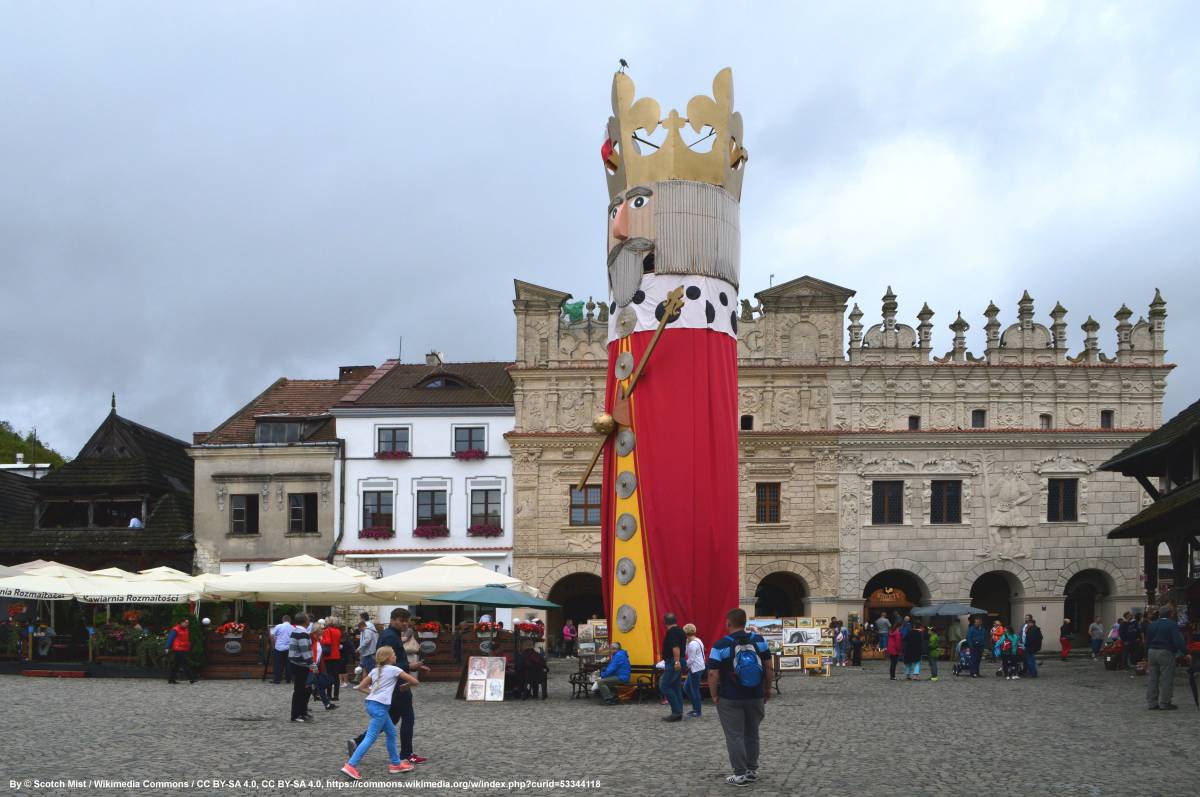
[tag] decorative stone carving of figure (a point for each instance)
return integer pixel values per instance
(1005, 515)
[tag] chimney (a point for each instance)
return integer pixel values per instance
(353, 374)
(433, 358)
(20, 458)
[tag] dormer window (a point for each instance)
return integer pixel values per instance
(443, 382)
(271, 431)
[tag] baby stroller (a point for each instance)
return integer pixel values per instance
(964, 658)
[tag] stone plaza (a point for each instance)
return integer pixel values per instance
(1076, 730)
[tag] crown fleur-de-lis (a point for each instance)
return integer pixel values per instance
(634, 121)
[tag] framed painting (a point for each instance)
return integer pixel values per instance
(477, 667)
(791, 650)
(495, 690)
(790, 622)
(476, 689)
(812, 662)
(791, 663)
(804, 622)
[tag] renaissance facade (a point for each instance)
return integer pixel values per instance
(873, 473)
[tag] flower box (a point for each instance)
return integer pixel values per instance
(470, 454)
(376, 533)
(393, 455)
(431, 532)
(485, 530)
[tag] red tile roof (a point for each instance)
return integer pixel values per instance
(285, 398)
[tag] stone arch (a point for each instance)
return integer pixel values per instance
(806, 575)
(1119, 582)
(1010, 567)
(919, 570)
(569, 568)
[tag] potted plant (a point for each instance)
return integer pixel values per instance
(231, 630)
(485, 630)
(531, 630)
(485, 530)
(470, 454)
(431, 532)
(429, 630)
(376, 533)
(393, 455)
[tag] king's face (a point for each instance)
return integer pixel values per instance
(630, 216)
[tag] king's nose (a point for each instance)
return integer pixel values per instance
(620, 225)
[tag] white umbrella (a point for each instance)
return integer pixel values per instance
(47, 583)
(439, 576)
(114, 585)
(300, 579)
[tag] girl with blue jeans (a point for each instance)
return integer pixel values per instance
(382, 682)
(693, 654)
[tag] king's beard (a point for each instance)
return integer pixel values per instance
(627, 261)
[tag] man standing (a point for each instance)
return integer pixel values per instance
(179, 644)
(738, 668)
(401, 708)
(1130, 633)
(301, 664)
(616, 672)
(883, 627)
(671, 685)
(1033, 645)
(977, 638)
(281, 637)
(368, 642)
(1096, 635)
(1163, 644)
(1064, 638)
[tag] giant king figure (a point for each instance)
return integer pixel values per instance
(670, 456)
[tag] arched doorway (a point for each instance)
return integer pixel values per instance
(893, 592)
(780, 594)
(994, 592)
(1085, 593)
(581, 596)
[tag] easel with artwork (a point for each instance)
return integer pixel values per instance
(485, 678)
(802, 644)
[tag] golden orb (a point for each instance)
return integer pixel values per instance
(604, 423)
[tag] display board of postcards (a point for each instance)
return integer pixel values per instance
(803, 644)
(485, 678)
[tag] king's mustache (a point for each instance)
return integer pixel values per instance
(633, 245)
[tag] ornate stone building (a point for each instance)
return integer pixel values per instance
(873, 473)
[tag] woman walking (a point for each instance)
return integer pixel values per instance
(568, 636)
(331, 652)
(693, 655)
(379, 683)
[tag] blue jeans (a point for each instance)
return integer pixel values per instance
(839, 654)
(671, 689)
(933, 664)
(692, 688)
(1030, 664)
(976, 656)
(1096, 645)
(380, 721)
(279, 667)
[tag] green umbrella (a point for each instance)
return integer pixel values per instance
(493, 595)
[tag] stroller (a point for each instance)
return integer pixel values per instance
(964, 658)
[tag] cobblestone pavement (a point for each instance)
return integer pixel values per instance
(1077, 730)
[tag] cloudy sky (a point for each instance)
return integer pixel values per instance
(197, 199)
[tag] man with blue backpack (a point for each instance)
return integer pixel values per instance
(739, 666)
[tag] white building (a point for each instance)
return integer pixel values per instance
(30, 470)
(427, 466)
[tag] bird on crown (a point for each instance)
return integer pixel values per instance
(669, 473)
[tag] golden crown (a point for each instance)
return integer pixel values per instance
(711, 118)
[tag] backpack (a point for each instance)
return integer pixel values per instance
(747, 666)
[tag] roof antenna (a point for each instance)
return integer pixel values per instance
(400, 353)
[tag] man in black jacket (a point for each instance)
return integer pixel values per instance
(1033, 645)
(401, 709)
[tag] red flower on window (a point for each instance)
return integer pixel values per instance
(430, 532)
(485, 530)
(470, 454)
(393, 455)
(376, 533)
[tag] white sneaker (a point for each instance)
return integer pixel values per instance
(737, 780)
(1016, 677)
(751, 775)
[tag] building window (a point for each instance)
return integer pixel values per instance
(377, 509)
(278, 432)
(470, 438)
(585, 506)
(431, 507)
(243, 514)
(485, 507)
(945, 501)
(115, 514)
(442, 382)
(887, 503)
(302, 513)
(1106, 419)
(1062, 505)
(766, 502)
(391, 439)
(914, 423)
(1045, 421)
(978, 419)
(747, 423)
(63, 515)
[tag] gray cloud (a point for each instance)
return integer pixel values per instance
(199, 200)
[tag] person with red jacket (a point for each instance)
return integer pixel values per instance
(331, 653)
(895, 646)
(178, 646)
